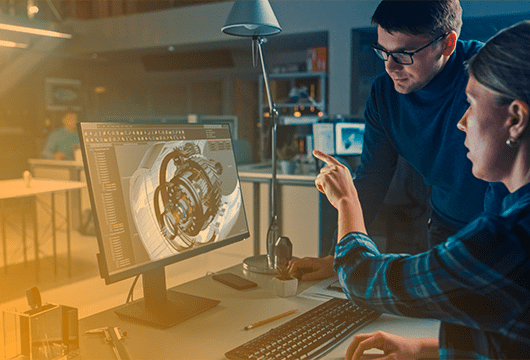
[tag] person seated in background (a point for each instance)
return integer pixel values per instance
(60, 143)
(476, 283)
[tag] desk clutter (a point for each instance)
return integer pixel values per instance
(46, 331)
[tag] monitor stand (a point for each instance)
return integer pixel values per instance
(163, 308)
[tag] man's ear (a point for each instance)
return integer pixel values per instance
(450, 43)
(519, 112)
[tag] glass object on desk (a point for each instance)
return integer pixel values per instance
(48, 332)
(283, 250)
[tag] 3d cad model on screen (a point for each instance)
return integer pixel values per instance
(180, 199)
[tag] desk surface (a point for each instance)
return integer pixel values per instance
(56, 163)
(16, 188)
(211, 334)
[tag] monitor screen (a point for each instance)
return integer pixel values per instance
(349, 138)
(160, 194)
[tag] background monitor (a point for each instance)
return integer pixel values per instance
(161, 194)
(349, 138)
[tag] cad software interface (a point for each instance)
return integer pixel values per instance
(161, 190)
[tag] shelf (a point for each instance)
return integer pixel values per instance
(300, 120)
(297, 75)
(319, 105)
(286, 88)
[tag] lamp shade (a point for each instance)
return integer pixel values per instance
(251, 18)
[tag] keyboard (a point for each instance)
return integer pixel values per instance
(308, 336)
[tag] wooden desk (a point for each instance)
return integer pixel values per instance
(211, 334)
(17, 189)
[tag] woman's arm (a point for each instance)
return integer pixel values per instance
(336, 183)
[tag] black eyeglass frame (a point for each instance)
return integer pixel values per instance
(379, 52)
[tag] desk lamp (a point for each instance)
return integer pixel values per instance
(255, 19)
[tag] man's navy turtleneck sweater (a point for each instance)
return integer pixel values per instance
(421, 127)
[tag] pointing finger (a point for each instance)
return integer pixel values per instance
(325, 157)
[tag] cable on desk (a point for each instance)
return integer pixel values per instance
(131, 290)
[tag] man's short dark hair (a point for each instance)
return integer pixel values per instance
(428, 18)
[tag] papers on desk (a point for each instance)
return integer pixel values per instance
(324, 290)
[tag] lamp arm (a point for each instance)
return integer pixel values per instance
(274, 116)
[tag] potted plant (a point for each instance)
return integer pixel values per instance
(284, 282)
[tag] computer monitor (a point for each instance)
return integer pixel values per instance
(160, 194)
(349, 138)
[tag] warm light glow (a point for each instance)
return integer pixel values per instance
(297, 114)
(13, 44)
(99, 89)
(33, 9)
(320, 113)
(34, 31)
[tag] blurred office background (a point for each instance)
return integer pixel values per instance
(136, 58)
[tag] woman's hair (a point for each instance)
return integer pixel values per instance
(426, 18)
(503, 64)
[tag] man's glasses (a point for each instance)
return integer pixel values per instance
(402, 57)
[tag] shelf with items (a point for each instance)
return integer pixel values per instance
(300, 99)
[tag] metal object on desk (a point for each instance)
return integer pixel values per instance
(283, 250)
(113, 337)
(265, 264)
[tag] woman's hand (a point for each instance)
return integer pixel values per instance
(313, 268)
(336, 183)
(334, 180)
(395, 347)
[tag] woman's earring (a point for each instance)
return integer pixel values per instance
(512, 143)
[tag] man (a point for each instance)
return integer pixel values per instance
(60, 143)
(412, 111)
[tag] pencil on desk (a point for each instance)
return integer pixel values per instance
(266, 321)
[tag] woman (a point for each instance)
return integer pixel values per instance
(477, 282)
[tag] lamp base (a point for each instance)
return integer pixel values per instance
(258, 264)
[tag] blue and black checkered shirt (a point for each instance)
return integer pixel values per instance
(477, 283)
